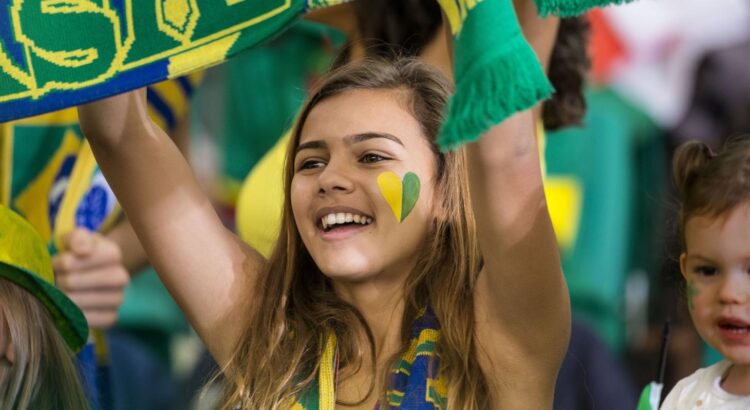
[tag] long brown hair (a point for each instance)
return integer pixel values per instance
(711, 184)
(44, 374)
(295, 306)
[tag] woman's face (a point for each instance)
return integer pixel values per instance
(716, 266)
(346, 145)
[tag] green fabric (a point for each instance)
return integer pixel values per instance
(568, 8)
(24, 260)
(37, 148)
(650, 397)
(497, 73)
(602, 256)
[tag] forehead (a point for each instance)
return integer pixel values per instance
(361, 111)
(727, 234)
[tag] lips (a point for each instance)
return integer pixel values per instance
(733, 329)
(337, 218)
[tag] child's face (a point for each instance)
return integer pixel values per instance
(346, 144)
(716, 266)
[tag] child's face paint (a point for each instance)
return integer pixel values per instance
(355, 150)
(401, 195)
(717, 269)
(692, 292)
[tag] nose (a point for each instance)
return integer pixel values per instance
(734, 288)
(335, 177)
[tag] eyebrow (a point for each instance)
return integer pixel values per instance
(317, 144)
(351, 139)
(357, 138)
(700, 258)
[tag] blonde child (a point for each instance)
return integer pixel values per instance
(715, 219)
(40, 327)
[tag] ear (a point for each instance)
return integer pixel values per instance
(683, 265)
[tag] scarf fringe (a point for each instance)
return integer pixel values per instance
(507, 82)
(570, 8)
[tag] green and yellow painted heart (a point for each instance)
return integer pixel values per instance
(401, 195)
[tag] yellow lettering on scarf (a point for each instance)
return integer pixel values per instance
(177, 18)
(101, 54)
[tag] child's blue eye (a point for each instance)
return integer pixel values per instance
(372, 158)
(705, 270)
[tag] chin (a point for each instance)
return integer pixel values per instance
(349, 269)
(348, 272)
(737, 355)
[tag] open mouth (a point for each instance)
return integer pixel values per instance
(734, 326)
(334, 221)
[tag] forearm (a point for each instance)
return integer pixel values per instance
(134, 257)
(505, 179)
(522, 280)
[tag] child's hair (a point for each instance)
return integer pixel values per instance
(278, 355)
(44, 374)
(708, 183)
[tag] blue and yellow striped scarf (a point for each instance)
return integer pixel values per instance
(415, 382)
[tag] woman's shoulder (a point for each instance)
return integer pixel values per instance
(690, 388)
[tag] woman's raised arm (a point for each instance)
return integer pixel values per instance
(522, 302)
(208, 271)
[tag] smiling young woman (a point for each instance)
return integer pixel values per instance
(448, 292)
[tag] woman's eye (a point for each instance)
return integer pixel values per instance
(705, 270)
(310, 164)
(372, 158)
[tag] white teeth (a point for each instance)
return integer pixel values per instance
(341, 218)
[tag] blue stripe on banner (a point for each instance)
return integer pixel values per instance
(158, 104)
(13, 48)
(129, 80)
(186, 86)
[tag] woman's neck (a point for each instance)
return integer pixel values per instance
(381, 304)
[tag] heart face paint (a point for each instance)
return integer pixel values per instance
(400, 195)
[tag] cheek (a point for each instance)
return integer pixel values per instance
(699, 298)
(299, 198)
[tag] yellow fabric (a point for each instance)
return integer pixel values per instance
(6, 155)
(21, 246)
(564, 198)
(260, 201)
(327, 375)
